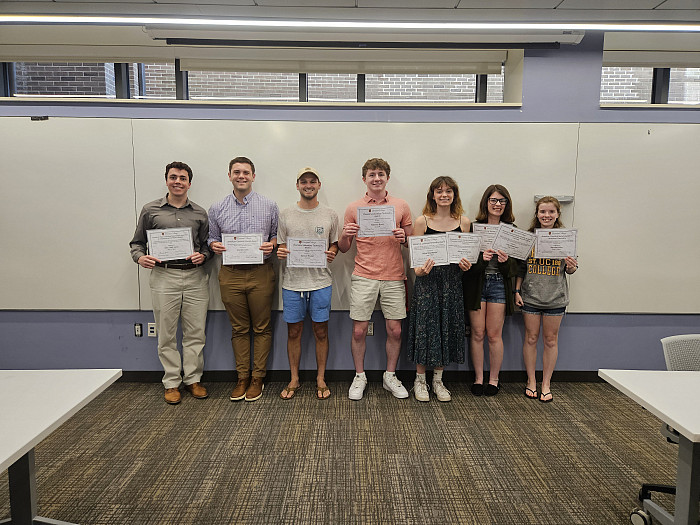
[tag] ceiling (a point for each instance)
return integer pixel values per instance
(405, 10)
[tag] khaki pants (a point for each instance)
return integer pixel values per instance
(246, 292)
(180, 295)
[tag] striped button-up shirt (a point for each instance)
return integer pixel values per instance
(257, 214)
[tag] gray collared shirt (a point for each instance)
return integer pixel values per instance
(160, 214)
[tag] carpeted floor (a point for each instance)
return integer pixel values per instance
(129, 458)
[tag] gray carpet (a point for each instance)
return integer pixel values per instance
(128, 458)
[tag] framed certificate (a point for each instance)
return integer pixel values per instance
(242, 248)
(170, 244)
(555, 243)
(424, 247)
(463, 245)
(515, 242)
(307, 253)
(376, 221)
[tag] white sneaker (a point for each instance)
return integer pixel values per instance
(393, 385)
(420, 390)
(441, 392)
(357, 389)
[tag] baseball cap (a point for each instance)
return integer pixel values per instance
(306, 170)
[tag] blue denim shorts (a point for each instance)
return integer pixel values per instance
(494, 290)
(316, 302)
(544, 311)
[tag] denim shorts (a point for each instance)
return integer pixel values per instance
(544, 311)
(316, 302)
(494, 290)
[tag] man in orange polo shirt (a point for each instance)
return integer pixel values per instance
(379, 272)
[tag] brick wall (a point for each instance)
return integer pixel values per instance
(402, 87)
(243, 86)
(160, 80)
(631, 85)
(684, 85)
(75, 79)
(618, 84)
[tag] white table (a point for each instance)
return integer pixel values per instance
(673, 397)
(34, 403)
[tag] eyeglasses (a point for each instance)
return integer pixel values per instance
(503, 201)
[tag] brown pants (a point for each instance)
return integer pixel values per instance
(247, 295)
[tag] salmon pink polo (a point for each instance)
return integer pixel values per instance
(380, 258)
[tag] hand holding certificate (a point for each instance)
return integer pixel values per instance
(424, 247)
(242, 248)
(516, 243)
(376, 221)
(463, 246)
(170, 244)
(555, 243)
(307, 253)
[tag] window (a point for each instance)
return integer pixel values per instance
(684, 86)
(626, 85)
(427, 88)
(323, 87)
(51, 79)
(158, 80)
(227, 85)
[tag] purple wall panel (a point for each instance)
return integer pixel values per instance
(55, 339)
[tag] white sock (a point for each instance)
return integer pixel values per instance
(390, 373)
(437, 375)
(420, 376)
(362, 376)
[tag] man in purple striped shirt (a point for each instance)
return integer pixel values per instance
(246, 289)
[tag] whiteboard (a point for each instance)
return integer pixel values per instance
(637, 214)
(67, 214)
(74, 188)
(527, 158)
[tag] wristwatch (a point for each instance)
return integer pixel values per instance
(517, 290)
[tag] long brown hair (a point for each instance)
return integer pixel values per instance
(483, 215)
(430, 207)
(545, 200)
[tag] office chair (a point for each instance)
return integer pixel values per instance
(681, 352)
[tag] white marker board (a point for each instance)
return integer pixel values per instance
(74, 188)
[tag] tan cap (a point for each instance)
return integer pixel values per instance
(306, 170)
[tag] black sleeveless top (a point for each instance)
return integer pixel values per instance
(429, 230)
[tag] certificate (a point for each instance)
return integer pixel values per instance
(424, 247)
(242, 248)
(307, 253)
(463, 245)
(555, 243)
(376, 221)
(170, 244)
(516, 243)
(487, 232)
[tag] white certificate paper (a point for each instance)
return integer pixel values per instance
(463, 245)
(376, 221)
(487, 233)
(555, 243)
(516, 243)
(170, 244)
(307, 253)
(424, 247)
(242, 248)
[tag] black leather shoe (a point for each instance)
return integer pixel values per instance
(478, 389)
(491, 390)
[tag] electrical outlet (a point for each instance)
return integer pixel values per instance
(138, 330)
(152, 330)
(370, 328)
